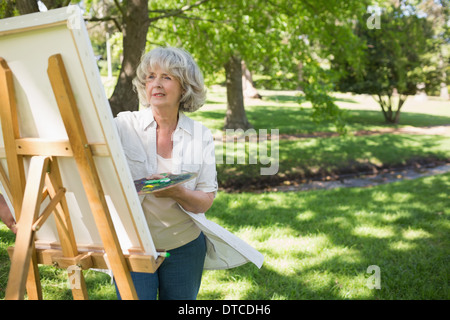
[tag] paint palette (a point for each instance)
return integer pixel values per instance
(168, 180)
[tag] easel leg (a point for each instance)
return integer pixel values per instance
(65, 232)
(34, 289)
(77, 283)
(20, 262)
(16, 173)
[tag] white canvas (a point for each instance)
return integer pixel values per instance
(26, 43)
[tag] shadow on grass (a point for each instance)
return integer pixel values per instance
(401, 227)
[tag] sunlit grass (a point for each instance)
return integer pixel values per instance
(319, 244)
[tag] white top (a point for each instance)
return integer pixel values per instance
(164, 164)
(193, 151)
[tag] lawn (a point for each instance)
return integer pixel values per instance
(315, 157)
(281, 110)
(321, 157)
(320, 244)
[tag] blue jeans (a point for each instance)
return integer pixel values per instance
(177, 278)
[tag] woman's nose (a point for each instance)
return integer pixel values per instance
(157, 83)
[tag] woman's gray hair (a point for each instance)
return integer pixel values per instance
(178, 63)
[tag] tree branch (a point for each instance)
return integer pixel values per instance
(401, 101)
(103, 19)
(381, 103)
(177, 12)
(187, 17)
(119, 7)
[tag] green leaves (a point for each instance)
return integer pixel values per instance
(394, 58)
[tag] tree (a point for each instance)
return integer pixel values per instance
(272, 37)
(247, 84)
(438, 14)
(236, 117)
(133, 19)
(394, 59)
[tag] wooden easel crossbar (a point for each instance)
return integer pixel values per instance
(44, 181)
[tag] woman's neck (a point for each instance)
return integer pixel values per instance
(166, 120)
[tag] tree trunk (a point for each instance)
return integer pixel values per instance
(53, 4)
(247, 84)
(391, 116)
(401, 101)
(27, 6)
(8, 10)
(235, 117)
(136, 24)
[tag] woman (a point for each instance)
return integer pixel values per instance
(161, 139)
(6, 216)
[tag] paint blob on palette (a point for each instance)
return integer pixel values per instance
(166, 180)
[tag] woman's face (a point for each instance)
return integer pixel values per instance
(163, 90)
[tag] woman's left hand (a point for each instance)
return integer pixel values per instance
(195, 201)
(172, 192)
(191, 200)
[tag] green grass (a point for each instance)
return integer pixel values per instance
(311, 156)
(303, 158)
(281, 110)
(55, 285)
(318, 245)
(297, 120)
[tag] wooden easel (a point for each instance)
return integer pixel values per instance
(44, 180)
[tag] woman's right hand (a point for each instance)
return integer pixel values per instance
(6, 215)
